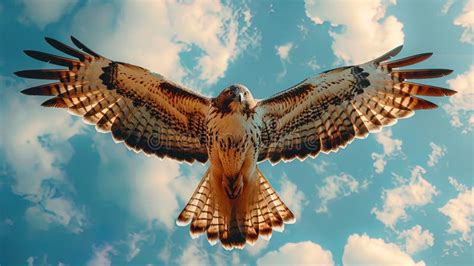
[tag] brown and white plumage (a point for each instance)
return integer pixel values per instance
(234, 203)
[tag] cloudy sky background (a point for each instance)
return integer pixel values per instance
(69, 195)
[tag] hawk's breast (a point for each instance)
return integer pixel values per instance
(233, 138)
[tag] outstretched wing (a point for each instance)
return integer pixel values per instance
(144, 110)
(326, 112)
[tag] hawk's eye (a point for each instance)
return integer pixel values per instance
(245, 93)
(230, 92)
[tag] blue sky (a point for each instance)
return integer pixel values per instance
(69, 195)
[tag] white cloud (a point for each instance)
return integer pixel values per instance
(35, 145)
(460, 211)
(313, 64)
(363, 250)
(379, 162)
(321, 167)
(437, 152)
(337, 186)
(259, 246)
(45, 12)
(466, 21)
(391, 148)
(148, 180)
(411, 193)
(193, 255)
(153, 35)
(101, 256)
(53, 211)
(291, 196)
(297, 254)
(283, 51)
(447, 6)
(367, 32)
(133, 242)
(461, 105)
(458, 186)
(30, 260)
(416, 239)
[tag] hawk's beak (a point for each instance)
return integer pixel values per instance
(241, 97)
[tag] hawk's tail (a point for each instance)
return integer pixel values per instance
(262, 213)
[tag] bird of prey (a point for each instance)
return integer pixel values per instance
(234, 203)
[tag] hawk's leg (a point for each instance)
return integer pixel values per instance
(233, 185)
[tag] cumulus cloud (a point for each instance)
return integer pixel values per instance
(466, 21)
(391, 148)
(416, 239)
(149, 182)
(461, 105)
(42, 13)
(437, 152)
(337, 186)
(35, 146)
(101, 255)
(297, 254)
(363, 250)
(291, 196)
(367, 32)
(460, 211)
(153, 35)
(410, 193)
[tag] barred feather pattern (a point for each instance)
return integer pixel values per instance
(265, 212)
(144, 110)
(327, 112)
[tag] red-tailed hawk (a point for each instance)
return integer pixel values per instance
(234, 202)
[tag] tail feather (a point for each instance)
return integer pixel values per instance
(234, 228)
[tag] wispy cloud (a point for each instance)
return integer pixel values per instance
(437, 152)
(410, 193)
(283, 52)
(217, 32)
(391, 148)
(337, 186)
(43, 13)
(291, 196)
(367, 32)
(461, 105)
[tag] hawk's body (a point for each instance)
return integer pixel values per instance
(234, 202)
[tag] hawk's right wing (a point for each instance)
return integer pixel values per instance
(326, 112)
(144, 110)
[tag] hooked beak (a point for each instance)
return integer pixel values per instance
(240, 97)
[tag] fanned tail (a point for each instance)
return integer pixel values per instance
(256, 215)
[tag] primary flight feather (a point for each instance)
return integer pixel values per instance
(234, 202)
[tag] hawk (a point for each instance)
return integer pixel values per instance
(234, 203)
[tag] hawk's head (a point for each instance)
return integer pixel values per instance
(235, 98)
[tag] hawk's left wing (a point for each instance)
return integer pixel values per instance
(146, 111)
(326, 112)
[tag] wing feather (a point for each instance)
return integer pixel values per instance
(144, 110)
(326, 112)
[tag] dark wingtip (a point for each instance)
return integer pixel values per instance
(22, 73)
(28, 92)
